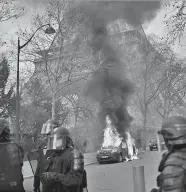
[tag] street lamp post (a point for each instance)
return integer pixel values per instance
(49, 30)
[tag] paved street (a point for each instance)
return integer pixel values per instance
(118, 177)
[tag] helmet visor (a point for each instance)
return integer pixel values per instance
(59, 142)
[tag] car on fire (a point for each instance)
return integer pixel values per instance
(111, 154)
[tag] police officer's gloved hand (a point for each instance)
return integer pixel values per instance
(48, 177)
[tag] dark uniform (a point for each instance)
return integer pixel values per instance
(61, 169)
(11, 155)
(172, 167)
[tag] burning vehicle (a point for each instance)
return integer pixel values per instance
(114, 147)
(110, 154)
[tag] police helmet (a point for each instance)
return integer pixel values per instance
(174, 130)
(49, 126)
(61, 131)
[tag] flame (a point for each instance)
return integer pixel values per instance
(112, 138)
(131, 144)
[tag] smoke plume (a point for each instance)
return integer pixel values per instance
(109, 85)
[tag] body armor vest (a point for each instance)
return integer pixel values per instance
(173, 172)
(11, 177)
(62, 162)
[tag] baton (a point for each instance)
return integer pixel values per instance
(30, 164)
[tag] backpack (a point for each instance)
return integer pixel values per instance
(11, 177)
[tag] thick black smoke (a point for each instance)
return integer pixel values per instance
(109, 86)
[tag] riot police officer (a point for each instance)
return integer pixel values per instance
(61, 169)
(172, 167)
(11, 155)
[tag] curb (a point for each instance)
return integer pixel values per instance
(91, 163)
(31, 176)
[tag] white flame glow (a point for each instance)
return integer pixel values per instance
(112, 138)
(131, 145)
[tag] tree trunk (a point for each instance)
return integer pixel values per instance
(163, 117)
(145, 119)
(143, 138)
(165, 109)
(50, 137)
(165, 112)
(53, 107)
(159, 143)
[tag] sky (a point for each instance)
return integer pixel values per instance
(158, 28)
(9, 28)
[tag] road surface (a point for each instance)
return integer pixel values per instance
(118, 177)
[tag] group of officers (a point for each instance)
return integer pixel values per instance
(61, 169)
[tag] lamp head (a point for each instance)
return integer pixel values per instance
(50, 30)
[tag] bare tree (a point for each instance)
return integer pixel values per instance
(149, 73)
(164, 82)
(172, 96)
(146, 77)
(9, 10)
(63, 59)
(175, 19)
